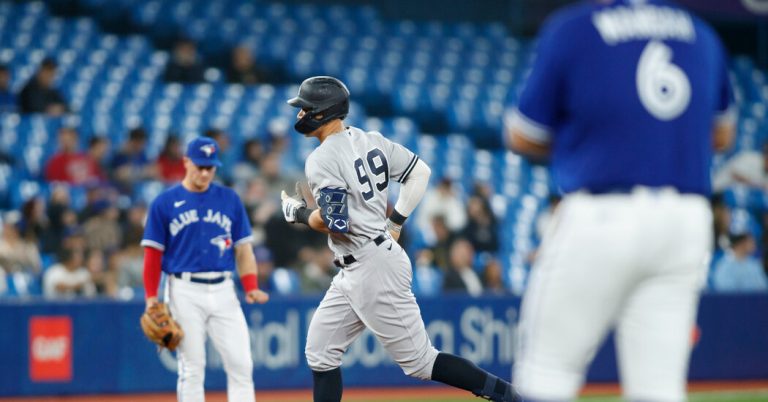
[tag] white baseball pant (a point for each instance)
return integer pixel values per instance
(202, 309)
(635, 262)
(374, 292)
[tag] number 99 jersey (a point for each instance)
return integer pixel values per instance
(350, 173)
(627, 94)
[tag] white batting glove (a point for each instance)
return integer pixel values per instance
(290, 206)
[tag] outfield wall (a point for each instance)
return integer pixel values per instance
(97, 346)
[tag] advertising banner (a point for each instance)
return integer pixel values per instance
(98, 347)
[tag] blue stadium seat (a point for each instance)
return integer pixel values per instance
(427, 281)
(285, 281)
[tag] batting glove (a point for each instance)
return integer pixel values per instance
(291, 205)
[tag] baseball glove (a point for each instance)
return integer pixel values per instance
(160, 327)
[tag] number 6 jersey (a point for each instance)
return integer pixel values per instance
(362, 165)
(627, 94)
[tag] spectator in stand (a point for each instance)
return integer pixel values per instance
(62, 219)
(248, 166)
(39, 95)
(461, 275)
(7, 97)
(739, 270)
(69, 278)
(275, 177)
(184, 66)
(427, 278)
(721, 223)
(259, 206)
(17, 254)
(73, 239)
(130, 269)
(98, 151)
(34, 222)
(493, 277)
(482, 229)
(748, 168)
(129, 261)
(243, 68)
(318, 270)
(131, 165)
(441, 245)
(444, 201)
(226, 155)
(93, 196)
(102, 230)
(170, 163)
(102, 274)
(68, 164)
(266, 266)
(279, 139)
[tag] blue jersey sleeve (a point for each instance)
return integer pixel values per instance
(540, 103)
(155, 233)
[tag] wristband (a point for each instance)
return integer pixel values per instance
(302, 215)
(396, 218)
(394, 227)
(250, 282)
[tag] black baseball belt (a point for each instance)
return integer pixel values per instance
(190, 276)
(350, 259)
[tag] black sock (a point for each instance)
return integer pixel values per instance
(327, 385)
(462, 373)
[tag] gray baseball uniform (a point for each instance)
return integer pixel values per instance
(373, 288)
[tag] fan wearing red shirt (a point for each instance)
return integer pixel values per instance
(70, 165)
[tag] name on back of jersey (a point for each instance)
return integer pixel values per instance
(189, 217)
(646, 21)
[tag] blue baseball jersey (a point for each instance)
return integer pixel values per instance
(197, 232)
(626, 94)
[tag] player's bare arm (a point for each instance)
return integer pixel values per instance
(246, 266)
(723, 132)
(315, 221)
(521, 143)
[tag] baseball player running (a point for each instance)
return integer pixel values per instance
(628, 98)
(196, 232)
(349, 175)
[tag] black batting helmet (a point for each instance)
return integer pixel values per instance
(322, 96)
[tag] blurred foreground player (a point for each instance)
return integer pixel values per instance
(628, 99)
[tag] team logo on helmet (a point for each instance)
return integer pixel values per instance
(208, 149)
(223, 242)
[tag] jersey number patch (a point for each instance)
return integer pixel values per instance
(663, 87)
(377, 164)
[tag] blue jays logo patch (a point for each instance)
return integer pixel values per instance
(223, 242)
(208, 149)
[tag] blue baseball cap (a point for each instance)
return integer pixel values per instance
(203, 151)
